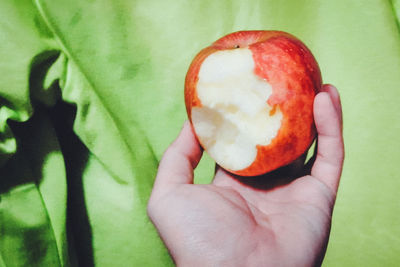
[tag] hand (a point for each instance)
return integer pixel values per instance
(280, 219)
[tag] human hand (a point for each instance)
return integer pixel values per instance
(279, 219)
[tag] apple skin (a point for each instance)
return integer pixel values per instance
(294, 75)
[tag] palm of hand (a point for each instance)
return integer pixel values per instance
(280, 220)
(254, 224)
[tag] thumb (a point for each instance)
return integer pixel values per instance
(330, 153)
(179, 160)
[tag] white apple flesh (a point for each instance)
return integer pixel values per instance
(235, 116)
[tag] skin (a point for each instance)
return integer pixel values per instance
(280, 219)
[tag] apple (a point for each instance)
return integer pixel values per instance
(249, 97)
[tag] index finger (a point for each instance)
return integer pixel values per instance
(179, 160)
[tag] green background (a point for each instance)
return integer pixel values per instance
(123, 64)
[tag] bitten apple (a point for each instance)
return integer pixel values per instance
(249, 97)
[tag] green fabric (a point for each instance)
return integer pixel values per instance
(113, 71)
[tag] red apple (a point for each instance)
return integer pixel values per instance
(249, 97)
